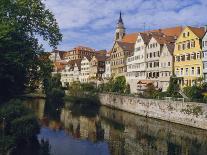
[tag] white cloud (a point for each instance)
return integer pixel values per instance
(92, 22)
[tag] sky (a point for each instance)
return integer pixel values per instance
(92, 23)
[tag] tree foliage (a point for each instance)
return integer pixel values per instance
(21, 21)
(20, 124)
(173, 87)
(118, 85)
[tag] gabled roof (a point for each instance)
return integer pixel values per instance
(59, 65)
(199, 32)
(126, 46)
(130, 38)
(73, 62)
(170, 47)
(162, 38)
(146, 37)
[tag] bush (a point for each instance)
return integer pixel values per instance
(194, 92)
(20, 123)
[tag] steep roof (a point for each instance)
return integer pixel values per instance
(126, 46)
(162, 38)
(170, 47)
(130, 38)
(173, 31)
(59, 65)
(146, 37)
(73, 62)
(199, 32)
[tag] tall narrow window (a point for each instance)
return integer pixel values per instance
(198, 70)
(192, 70)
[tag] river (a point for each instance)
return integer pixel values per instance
(113, 132)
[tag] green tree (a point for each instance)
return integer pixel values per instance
(173, 87)
(119, 84)
(21, 23)
(20, 125)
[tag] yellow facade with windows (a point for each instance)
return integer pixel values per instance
(188, 64)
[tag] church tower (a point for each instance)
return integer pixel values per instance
(120, 29)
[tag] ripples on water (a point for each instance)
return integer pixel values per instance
(114, 132)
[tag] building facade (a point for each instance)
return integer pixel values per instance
(85, 69)
(79, 52)
(107, 73)
(204, 49)
(136, 64)
(71, 72)
(188, 64)
(97, 67)
(166, 64)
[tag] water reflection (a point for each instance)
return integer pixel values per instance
(116, 133)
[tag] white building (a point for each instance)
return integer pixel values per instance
(204, 48)
(166, 64)
(71, 72)
(136, 64)
(85, 69)
(107, 74)
(154, 49)
(57, 55)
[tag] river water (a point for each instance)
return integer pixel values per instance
(112, 132)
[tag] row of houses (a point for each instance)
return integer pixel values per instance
(143, 57)
(81, 64)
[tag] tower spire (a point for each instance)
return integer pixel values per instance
(120, 29)
(120, 18)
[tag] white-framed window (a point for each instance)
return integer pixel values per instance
(181, 71)
(186, 71)
(192, 70)
(198, 70)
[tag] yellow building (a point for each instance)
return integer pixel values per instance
(188, 64)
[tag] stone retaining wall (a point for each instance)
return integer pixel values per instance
(186, 113)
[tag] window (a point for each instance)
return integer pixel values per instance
(183, 46)
(184, 35)
(198, 55)
(188, 57)
(193, 56)
(198, 71)
(188, 44)
(183, 58)
(177, 58)
(181, 71)
(177, 72)
(179, 47)
(168, 63)
(192, 43)
(192, 70)
(186, 71)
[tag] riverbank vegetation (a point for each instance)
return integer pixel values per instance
(117, 85)
(195, 93)
(24, 67)
(19, 129)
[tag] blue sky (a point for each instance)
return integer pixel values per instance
(92, 22)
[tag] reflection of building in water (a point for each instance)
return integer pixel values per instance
(37, 105)
(81, 126)
(129, 134)
(140, 135)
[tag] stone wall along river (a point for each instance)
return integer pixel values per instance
(186, 113)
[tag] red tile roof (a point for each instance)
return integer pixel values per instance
(199, 32)
(130, 38)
